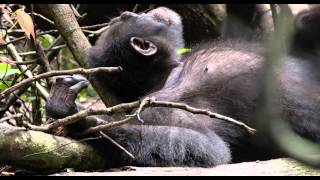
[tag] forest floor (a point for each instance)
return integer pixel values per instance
(276, 167)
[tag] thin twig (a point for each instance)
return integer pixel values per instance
(95, 26)
(120, 108)
(6, 103)
(27, 62)
(135, 8)
(117, 144)
(200, 111)
(75, 12)
(14, 54)
(97, 32)
(11, 117)
(106, 126)
(57, 73)
(45, 50)
(143, 104)
(42, 56)
(13, 31)
(24, 37)
(44, 18)
(56, 31)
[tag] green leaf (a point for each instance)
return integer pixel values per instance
(3, 86)
(86, 93)
(12, 71)
(46, 40)
(31, 98)
(7, 70)
(182, 51)
(4, 68)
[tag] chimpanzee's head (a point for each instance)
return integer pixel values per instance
(144, 45)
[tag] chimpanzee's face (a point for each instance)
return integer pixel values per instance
(146, 32)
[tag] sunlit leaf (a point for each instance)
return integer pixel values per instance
(12, 71)
(26, 23)
(32, 98)
(46, 40)
(86, 93)
(7, 70)
(4, 86)
(3, 68)
(182, 51)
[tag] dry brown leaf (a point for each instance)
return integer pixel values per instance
(25, 22)
(1, 39)
(6, 60)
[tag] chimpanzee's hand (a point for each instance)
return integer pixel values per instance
(61, 101)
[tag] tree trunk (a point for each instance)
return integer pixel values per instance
(77, 42)
(40, 152)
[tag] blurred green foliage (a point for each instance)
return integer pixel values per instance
(182, 51)
(46, 40)
(6, 70)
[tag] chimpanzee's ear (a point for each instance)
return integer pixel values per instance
(142, 46)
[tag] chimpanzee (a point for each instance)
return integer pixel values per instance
(219, 76)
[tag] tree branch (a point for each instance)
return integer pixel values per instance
(95, 26)
(200, 111)
(106, 126)
(120, 108)
(11, 117)
(68, 27)
(151, 102)
(57, 73)
(51, 49)
(43, 153)
(44, 18)
(84, 113)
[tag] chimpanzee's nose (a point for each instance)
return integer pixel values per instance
(126, 15)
